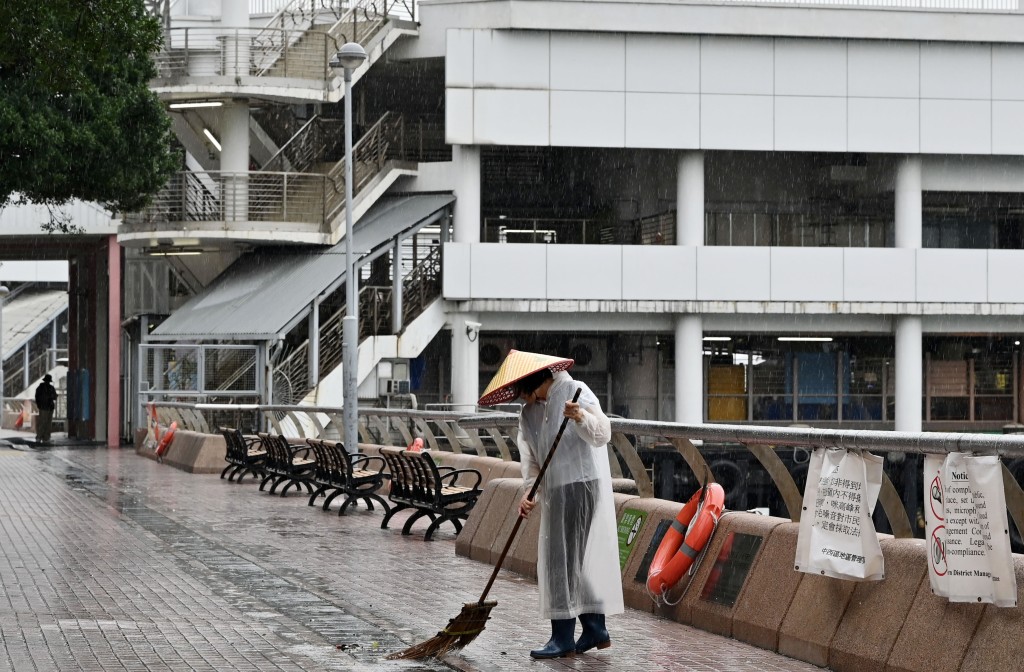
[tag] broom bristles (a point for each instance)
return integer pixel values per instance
(459, 632)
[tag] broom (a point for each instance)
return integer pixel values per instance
(470, 622)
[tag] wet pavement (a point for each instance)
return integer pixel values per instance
(110, 561)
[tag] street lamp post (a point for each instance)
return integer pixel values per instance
(349, 57)
(3, 294)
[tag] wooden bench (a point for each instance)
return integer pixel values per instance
(244, 454)
(339, 473)
(286, 463)
(417, 482)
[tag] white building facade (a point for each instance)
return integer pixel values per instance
(807, 214)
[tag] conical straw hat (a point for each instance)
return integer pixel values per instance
(518, 365)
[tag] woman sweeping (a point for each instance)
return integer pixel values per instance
(577, 554)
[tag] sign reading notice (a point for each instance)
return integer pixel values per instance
(630, 524)
(968, 533)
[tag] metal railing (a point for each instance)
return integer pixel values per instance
(318, 141)
(255, 196)
(485, 433)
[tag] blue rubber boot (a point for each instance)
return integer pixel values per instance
(561, 643)
(595, 634)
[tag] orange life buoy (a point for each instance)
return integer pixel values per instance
(165, 441)
(684, 541)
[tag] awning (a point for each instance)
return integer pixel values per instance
(259, 296)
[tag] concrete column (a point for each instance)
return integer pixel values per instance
(113, 343)
(690, 199)
(234, 160)
(234, 21)
(689, 369)
(466, 159)
(909, 384)
(908, 203)
(465, 361)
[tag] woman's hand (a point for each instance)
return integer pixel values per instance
(526, 505)
(573, 411)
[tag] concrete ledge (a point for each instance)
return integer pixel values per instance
(634, 592)
(936, 634)
(505, 491)
(997, 643)
(464, 541)
(867, 634)
(813, 617)
(769, 591)
(190, 451)
(708, 615)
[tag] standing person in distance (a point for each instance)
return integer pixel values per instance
(577, 551)
(46, 401)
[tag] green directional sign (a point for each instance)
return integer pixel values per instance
(630, 524)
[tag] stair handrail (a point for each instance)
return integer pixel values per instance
(374, 149)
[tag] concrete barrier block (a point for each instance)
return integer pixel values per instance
(997, 643)
(522, 557)
(769, 591)
(505, 516)
(494, 517)
(634, 590)
(813, 617)
(192, 452)
(464, 541)
(870, 626)
(936, 634)
(715, 617)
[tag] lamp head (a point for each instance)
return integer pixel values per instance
(349, 57)
(4, 291)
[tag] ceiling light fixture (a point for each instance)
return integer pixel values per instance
(195, 104)
(209, 135)
(718, 338)
(807, 339)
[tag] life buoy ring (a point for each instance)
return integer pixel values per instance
(684, 541)
(165, 441)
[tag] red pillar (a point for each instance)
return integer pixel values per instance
(113, 343)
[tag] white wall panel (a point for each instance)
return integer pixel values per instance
(807, 273)
(588, 61)
(733, 273)
(505, 59)
(810, 67)
(957, 71)
(584, 271)
(455, 278)
(588, 119)
(1008, 127)
(663, 63)
(810, 124)
(663, 120)
(956, 126)
(504, 117)
(736, 122)
(659, 273)
(736, 65)
(952, 276)
(884, 125)
(1006, 276)
(458, 62)
(1008, 72)
(883, 69)
(509, 271)
(458, 116)
(879, 274)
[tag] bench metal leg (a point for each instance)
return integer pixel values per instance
(224, 473)
(437, 523)
(319, 491)
(416, 516)
(331, 498)
(391, 514)
(266, 479)
(369, 499)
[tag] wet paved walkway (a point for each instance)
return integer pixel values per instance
(109, 561)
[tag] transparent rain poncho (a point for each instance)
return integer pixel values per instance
(577, 552)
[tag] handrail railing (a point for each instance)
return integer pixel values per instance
(459, 432)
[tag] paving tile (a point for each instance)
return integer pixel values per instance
(109, 561)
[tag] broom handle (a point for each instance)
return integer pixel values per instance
(533, 493)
